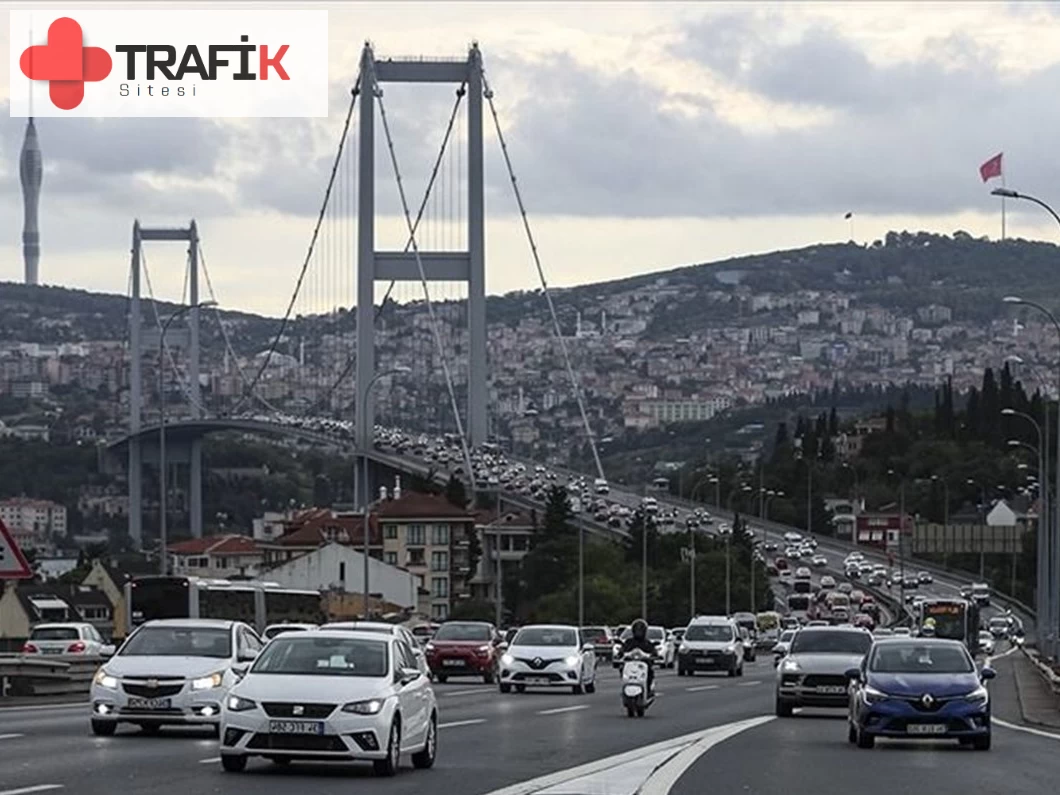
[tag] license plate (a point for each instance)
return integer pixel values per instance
(832, 690)
(926, 728)
(453, 663)
(150, 703)
(537, 680)
(51, 651)
(295, 727)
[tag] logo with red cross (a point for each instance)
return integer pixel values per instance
(66, 63)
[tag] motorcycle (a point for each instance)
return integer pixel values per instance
(636, 697)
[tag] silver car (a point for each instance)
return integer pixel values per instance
(813, 674)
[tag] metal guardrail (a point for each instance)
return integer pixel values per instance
(1044, 670)
(35, 675)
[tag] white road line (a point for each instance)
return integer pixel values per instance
(702, 687)
(10, 736)
(749, 684)
(666, 776)
(468, 692)
(28, 790)
(455, 723)
(209, 761)
(43, 707)
(558, 710)
(1007, 725)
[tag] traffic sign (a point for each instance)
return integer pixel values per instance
(13, 564)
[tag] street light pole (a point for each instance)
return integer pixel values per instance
(366, 440)
(1052, 548)
(163, 481)
(1042, 568)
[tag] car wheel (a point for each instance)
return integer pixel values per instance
(680, 671)
(389, 766)
(505, 688)
(233, 763)
(425, 759)
(282, 761)
(783, 708)
(104, 728)
(732, 672)
(520, 688)
(489, 677)
(981, 743)
(865, 740)
(577, 689)
(852, 733)
(441, 678)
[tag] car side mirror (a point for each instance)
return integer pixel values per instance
(853, 674)
(409, 675)
(247, 656)
(502, 645)
(588, 647)
(106, 652)
(987, 673)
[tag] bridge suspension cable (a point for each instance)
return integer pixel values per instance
(351, 361)
(378, 91)
(576, 386)
(312, 245)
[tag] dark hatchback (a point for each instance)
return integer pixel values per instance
(922, 689)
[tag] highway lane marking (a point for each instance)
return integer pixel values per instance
(455, 723)
(10, 736)
(1007, 725)
(556, 711)
(666, 776)
(469, 692)
(209, 761)
(28, 790)
(749, 684)
(42, 707)
(702, 687)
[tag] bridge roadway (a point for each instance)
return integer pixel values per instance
(490, 742)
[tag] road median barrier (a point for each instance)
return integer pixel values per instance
(23, 675)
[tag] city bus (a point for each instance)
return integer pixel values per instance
(799, 606)
(255, 603)
(955, 619)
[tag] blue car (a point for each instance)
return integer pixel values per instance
(919, 688)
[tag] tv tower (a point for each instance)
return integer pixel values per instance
(31, 172)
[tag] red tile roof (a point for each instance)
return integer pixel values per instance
(309, 529)
(230, 544)
(413, 505)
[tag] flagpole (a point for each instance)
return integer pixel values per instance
(1002, 207)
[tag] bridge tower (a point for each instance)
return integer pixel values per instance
(450, 266)
(186, 338)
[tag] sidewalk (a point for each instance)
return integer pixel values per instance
(1038, 704)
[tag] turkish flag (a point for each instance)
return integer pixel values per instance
(991, 168)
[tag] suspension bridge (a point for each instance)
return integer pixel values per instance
(418, 357)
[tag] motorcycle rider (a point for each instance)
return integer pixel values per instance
(638, 639)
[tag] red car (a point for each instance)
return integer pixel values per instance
(463, 648)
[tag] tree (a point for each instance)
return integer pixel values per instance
(455, 492)
(557, 514)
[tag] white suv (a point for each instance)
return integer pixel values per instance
(711, 643)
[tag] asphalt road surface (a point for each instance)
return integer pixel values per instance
(490, 742)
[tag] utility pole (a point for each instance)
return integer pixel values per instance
(644, 566)
(581, 573)
(809, 496)
(692, 566)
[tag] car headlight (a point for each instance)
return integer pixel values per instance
(370, 707)
(429, 647)
(484, 649)
(978, 696)
(507, 659)
(103, 679)
(238, 704)
(208, 682)
(573, 660)
(873, 696)
(683, 649)
(790, 666)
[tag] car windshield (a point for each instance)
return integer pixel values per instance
(913, 658)
(546, 636)
(470, 632)
(786, 637)
(994, 622)
(811, 641)
(709, 632)
(594, 634)
(272, 632)
(355, 627)
(309, 654)
(179, 642)
(53, 633)
(656, 634)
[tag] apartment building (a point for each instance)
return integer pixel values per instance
(218, 557)
(430, 537)
(33, 523)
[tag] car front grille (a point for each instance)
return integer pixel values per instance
(142, 690)
(280, 709)
(552, 677)
(825, 680)
(296, 742)
(537, 663)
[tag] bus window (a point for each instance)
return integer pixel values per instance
(158, 597)
(230, 604)
(282, 606)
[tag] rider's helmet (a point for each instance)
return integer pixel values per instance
(928, 630)
(639, 629)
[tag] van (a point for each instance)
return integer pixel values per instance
(600, 486)
(711, 643)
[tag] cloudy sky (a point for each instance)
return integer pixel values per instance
(644, 136)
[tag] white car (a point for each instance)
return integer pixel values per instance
(548, 655)
(819, 561)
(344, 696)
(273, 630)
(171, 672)
(665, 646)
(986, 642)
(75, 638)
